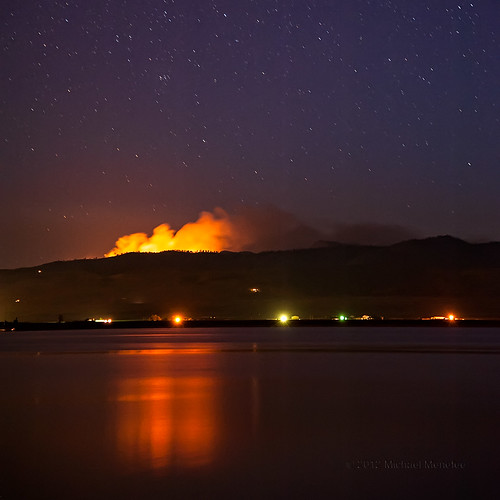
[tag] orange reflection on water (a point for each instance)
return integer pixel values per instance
(164, 421)
(157, 351)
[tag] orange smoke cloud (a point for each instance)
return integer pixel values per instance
(253, 229)
(211, 232)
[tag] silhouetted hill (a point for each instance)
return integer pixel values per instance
(414, 278)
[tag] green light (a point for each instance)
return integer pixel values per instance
(342, 317)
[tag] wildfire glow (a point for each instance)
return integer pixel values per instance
(211, 232)
(253, 229)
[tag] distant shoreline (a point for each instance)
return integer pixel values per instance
(9, 326)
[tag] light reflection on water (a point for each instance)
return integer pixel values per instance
(162, 421)
(245, 414)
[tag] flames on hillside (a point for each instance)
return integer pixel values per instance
(212, 232)
(252, 229)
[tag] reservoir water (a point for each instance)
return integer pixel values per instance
(278, 412)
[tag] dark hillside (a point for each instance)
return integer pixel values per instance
(410, 279)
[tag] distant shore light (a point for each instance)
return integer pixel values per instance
(101, 320)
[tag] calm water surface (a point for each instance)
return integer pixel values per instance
(250, 413)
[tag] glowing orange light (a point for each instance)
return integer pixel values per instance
(177, 320)
(451, 317)
(212, 232)
(100, 320)
(162, 421)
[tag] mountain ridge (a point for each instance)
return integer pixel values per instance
(413, 278)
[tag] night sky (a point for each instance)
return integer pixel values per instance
(117, 116)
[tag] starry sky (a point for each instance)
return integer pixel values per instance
(119, 115)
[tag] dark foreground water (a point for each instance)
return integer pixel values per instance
(250, 413)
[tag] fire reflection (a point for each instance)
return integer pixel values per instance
(164, 421)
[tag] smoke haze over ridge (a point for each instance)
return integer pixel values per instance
(253, 229)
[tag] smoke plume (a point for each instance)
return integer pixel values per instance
(372, 234)
(253, 229)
